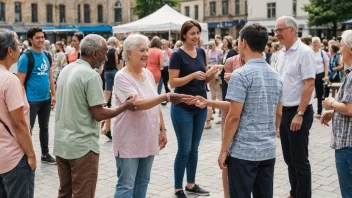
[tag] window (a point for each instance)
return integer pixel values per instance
(225, 7)
(118, 12)
(86, 13)
(237, 7)
(49, 13)
(18, 12)
(34, 12)
(2, 12)
(78, 13)
(100, 14)
(196, 12)
(246, 7)
(62, 13)
(294, 8)
(187, 11)
(271, 10)
(212, 8)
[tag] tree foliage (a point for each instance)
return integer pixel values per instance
(324, 12)
(145, 7)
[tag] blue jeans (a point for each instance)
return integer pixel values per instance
(343, 159)
(160, 85)
(188, 126)
(18, 182)
(133, 176)
(109, 75)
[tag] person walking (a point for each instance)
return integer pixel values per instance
(74, 54)
(35, 73)
(18, 160)
(297, 68)
(188, 75)
(155, 59)
(340, 112)
(79, 111)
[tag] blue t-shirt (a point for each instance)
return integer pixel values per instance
(259, 87)
(186, 64)
(38, 84)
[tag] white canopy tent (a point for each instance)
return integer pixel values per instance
(164, 19)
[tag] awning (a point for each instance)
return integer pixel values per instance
(8, 27)
(347, 22)
(101, 28)
(239, 22)
(59, 28)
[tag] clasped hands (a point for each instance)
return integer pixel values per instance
(199, 75)
(327, 115)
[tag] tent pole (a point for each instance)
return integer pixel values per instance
(169, 34)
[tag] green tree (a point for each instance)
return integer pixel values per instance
(328, 12)
(145, 7)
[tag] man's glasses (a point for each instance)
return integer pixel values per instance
(280, 30)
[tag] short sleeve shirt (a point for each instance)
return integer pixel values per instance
(180, 60)
(259, 87)
(38, 85)
(320, 57)
(135, 133)
(12, 97)
(79, 87)
(341, 136)
(296, 65)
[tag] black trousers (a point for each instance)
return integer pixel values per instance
(319, 91)
(246, 177)
(295, 150)
(165, 76)
(42, 109)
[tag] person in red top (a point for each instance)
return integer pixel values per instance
(155, 59)
(73, 55)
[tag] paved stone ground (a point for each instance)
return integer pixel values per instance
(324, 176)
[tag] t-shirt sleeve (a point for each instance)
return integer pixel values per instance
(308, 69)
(13, 92)
(123, 88)
(175, 61)
(237, 89)
(22, 65)
(347, 95)
(94, 91)
(325, 56)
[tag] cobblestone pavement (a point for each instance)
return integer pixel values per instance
(324, 176)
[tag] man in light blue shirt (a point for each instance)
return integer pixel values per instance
(249, 136)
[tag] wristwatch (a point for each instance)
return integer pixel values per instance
(300, 113)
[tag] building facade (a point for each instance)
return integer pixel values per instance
(193, 9)
(61, 18)
(266, 12)
(225, 17)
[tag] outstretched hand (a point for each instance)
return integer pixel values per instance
(178, 98)
(129, 103)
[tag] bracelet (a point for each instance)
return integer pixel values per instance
(168, 97)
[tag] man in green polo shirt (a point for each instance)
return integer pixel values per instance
(79, 109)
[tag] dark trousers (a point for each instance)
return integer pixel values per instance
(42, 109)
(165, 77)
(295, 150)
(246, 177)
(319, 91)
(18, 182)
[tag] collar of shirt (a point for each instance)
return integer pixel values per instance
(256, 60)
(294, 46)
(83, 62)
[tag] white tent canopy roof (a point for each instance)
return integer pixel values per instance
(164, 19)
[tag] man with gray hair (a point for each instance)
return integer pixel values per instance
(297, 69)
(80, 102)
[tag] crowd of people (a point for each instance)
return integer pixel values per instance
(263, 87)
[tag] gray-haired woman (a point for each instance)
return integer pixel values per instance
(18, 160)
(137, 135)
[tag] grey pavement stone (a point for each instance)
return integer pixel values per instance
(324, 176)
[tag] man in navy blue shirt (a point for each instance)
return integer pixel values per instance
(39, 86)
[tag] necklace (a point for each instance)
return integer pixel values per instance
(140, 78)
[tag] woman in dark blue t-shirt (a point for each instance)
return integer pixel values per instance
(188, 75)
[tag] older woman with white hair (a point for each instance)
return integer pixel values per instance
(340, 112)
(321, 64)
(137, 135)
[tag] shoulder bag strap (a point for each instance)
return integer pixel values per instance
(6, 127)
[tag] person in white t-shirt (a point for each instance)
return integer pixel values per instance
(321, 77)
